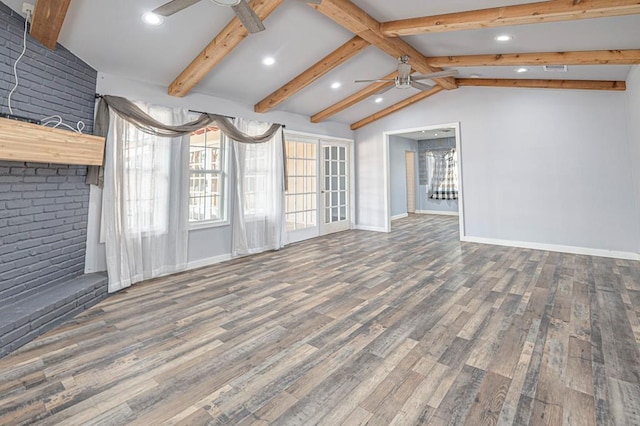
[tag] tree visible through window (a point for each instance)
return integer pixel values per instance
(207, 195)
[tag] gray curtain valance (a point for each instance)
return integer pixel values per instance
(147, 124)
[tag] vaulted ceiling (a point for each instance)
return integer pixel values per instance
(341, 41)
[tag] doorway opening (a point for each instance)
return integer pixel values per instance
(423, 172)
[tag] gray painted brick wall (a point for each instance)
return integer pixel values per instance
(43, 207)
(51, 82)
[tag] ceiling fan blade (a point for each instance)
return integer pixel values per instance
(248, 17)
(173, 6)
(446, 73)
(373, 81)
(421, 86)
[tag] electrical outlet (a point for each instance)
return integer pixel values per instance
(27, 9)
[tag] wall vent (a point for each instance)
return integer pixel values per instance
(555, 68)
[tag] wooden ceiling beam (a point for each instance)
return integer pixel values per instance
(356, 20)
(595, 57)
(322, 67)
(395, 108)
(357, 97)
(532, 13)
(218, 49)
(48, 17)
(543, 84)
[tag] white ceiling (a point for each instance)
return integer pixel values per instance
(110, 36)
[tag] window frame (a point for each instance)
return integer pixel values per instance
(223, 175)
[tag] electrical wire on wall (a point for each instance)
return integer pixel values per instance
(15, 65)
(54, 121)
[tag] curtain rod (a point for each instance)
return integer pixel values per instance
(98, 96)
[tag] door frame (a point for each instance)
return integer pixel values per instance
(318, 139)
(387, 171)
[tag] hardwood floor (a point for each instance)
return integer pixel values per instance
(411, 327)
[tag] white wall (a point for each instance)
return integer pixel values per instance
(538, 166)
(398, 146)
(633, 113)
(210, 244)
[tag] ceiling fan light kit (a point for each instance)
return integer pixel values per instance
(226, 2)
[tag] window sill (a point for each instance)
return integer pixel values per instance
(206, 225)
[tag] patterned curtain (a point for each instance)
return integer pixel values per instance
(442, 169)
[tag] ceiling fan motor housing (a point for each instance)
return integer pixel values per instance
(403, 80)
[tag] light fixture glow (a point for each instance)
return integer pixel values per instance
(475, 76)
(268, 61)
(378, 100)
(336, 85)
(151, 18)
(521, 70)
(503, 37)
(436, 134)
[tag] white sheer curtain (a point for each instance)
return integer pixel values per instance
(145, 200)
(258, 223)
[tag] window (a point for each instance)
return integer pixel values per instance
(301, 195)
(207, 176)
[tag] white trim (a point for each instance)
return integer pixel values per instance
(317, 136)
(556, 248)
(440, 212)
(400, 216)
(387, 168)
(201, 263)
(206, 224)
(386, 172)
(371, 228)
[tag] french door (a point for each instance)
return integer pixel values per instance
(335, 188)
(318, 195)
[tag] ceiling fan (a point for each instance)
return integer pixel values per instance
(243, 11)
(405, 80)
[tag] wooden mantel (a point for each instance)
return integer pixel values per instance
(20, 141)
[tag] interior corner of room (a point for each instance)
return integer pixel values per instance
(176, 155)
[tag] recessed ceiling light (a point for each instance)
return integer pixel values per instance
(378, 100)
(475, 76)
(268, 61)
(336, 85)
(435, 134)
(152, 18)
(503, 37)
(424, 131)
(521, 70)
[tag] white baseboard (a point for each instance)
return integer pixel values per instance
(400, 216)
(208, 261)
(556, 248)
(440, 212)
(370, 228)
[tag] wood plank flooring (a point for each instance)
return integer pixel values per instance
(411, 327)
